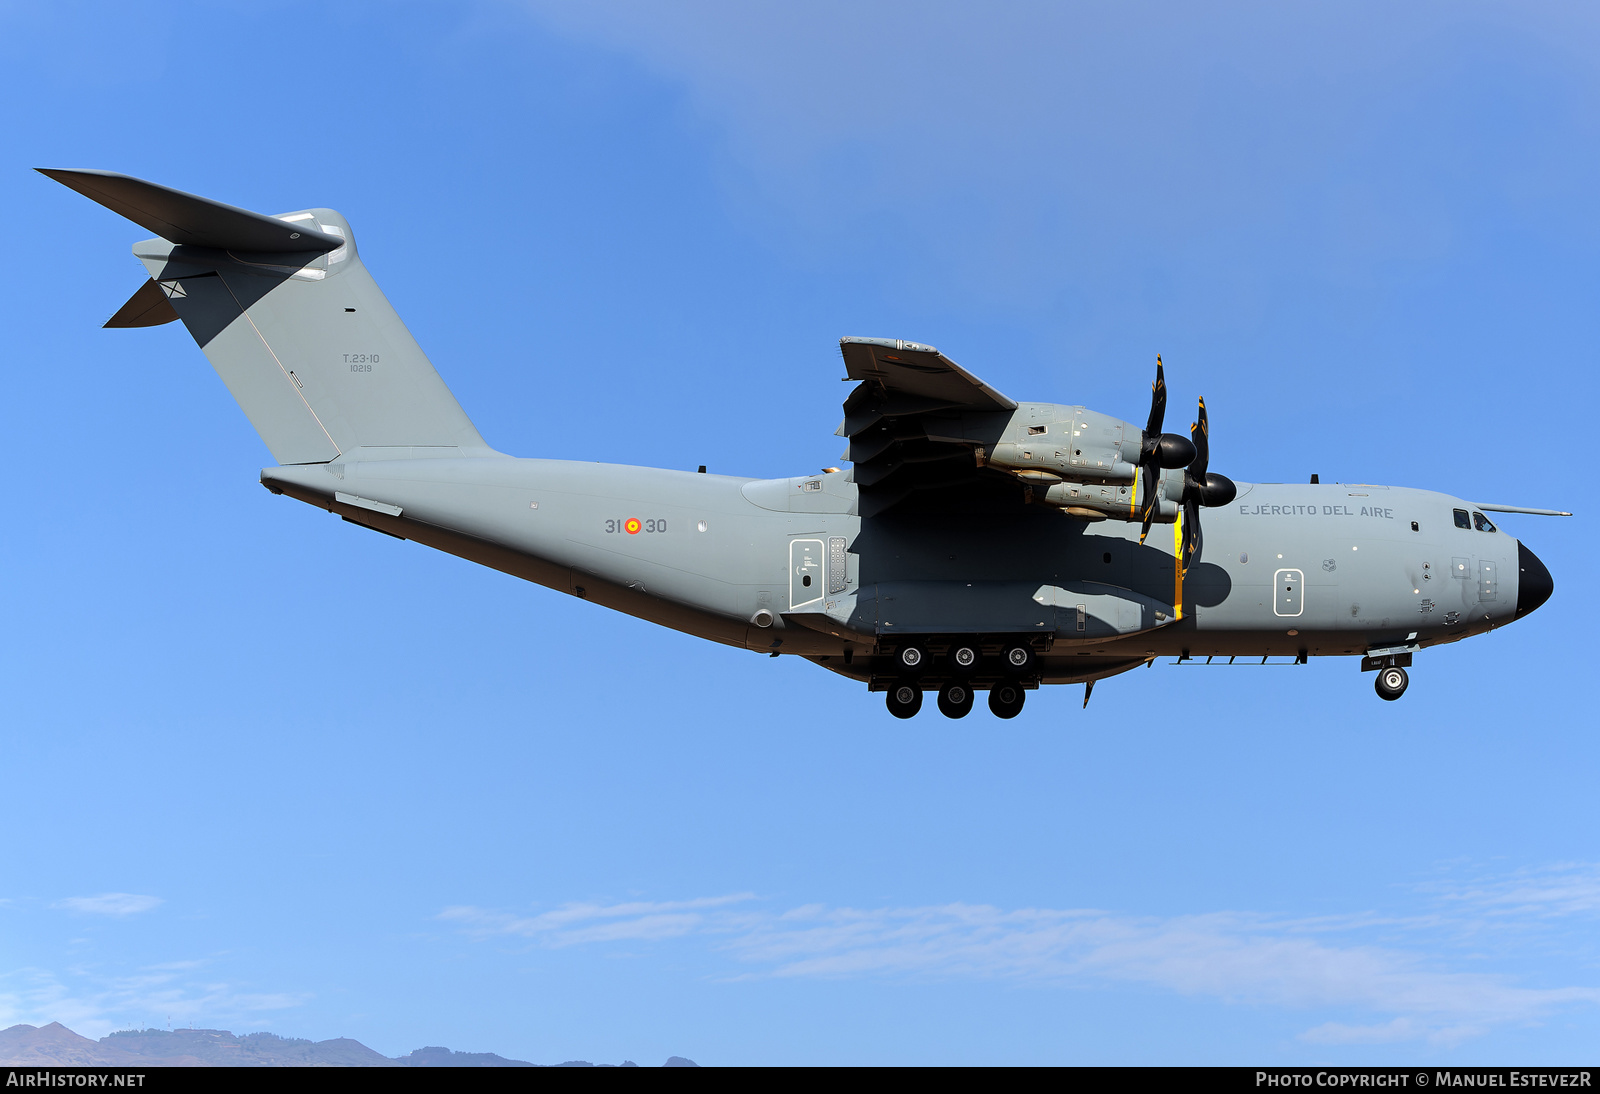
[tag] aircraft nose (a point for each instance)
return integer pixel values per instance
(1534, 583)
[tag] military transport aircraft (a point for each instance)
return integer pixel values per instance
(976, 543)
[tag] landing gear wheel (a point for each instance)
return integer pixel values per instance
(905, 700)
(1392, 683)
(910, 659)
(1018, 659)
(955, 700)
(1005, 700)
(964, 657)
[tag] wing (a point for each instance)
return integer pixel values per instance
(919, 426)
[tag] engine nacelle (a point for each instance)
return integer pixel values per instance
(1090, 501)
(1045, 444)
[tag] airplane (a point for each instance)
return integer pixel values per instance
(976, 543)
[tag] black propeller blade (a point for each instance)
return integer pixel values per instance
(1158, 403)
(1158, 450)
(1193, 482)
(1201, 488)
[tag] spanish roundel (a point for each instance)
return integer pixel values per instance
(632, 526)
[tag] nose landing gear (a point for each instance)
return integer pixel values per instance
(1392, 683)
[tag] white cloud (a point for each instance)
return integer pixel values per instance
(1329, 962)
(109, 904)
(94, 1002)
(574, 923)
(1560, 890)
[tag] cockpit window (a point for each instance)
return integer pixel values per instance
(1462, 520)
(1481, 523)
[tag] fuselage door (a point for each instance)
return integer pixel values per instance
(806, 572)
(1289, 595)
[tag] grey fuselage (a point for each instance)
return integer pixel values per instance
(973, 535)
(1311, 570)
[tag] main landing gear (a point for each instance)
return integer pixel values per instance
(955, 669)
(1005, 700)
(963, 658)
(905, 700)
(1018, 659)
(955, 700)
(1392, 683)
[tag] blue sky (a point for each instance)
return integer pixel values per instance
(265, 770)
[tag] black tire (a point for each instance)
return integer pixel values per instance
(905, 700)
(1391, 683)
(955, 700)
(964, 657)
(911, 660)
(1018, 659)
(1005, 700)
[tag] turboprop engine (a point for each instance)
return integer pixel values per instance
(1096, 467)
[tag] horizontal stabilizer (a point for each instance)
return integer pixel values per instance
(293, 323)
(148, 307)
(190, 220)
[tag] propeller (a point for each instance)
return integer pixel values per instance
(1158, 450)
(1201, 488)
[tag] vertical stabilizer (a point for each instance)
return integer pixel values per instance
(293, 323)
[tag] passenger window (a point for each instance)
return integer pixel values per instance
(1462, 520)
(1481, 523)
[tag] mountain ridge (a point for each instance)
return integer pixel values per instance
(54, 1045)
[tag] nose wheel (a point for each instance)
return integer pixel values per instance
(1392, 682)
(905, 700)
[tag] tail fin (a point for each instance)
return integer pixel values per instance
(292, 322)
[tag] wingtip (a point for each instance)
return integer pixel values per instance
(62, 174)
